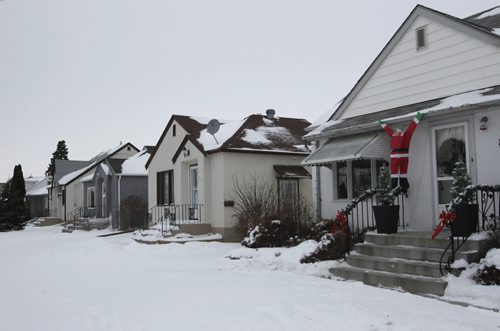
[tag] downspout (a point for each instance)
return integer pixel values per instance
(318, 187)
(119, 200)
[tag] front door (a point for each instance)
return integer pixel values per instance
(450, 145)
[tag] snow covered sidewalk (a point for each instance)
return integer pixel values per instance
(56, 281)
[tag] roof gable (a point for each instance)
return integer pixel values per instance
(95, 161)
(452, 22)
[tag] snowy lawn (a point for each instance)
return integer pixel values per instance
(57, 281)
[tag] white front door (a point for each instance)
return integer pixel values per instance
(450, 145)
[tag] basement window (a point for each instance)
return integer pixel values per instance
(421, 37)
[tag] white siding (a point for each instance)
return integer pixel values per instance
(124, 153)
(453, 62)
(488, 148)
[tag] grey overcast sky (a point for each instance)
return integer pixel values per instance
(97, 72)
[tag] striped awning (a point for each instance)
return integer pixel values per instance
(363, 146)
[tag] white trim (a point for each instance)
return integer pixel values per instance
(399, 156)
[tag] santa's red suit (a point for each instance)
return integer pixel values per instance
(400, 146)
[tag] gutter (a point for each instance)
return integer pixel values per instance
(318, 189)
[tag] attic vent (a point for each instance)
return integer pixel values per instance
(128, 148)
(421, 37)
(270, 113)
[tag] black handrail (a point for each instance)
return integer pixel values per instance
(359, 215)
(171, 215)
(486, 197)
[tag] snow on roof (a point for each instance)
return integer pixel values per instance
(496, 31)
(75, 174)
(455, 101)
(491, 12)
(136, 164)
(262, 135)
(87, 178)
(227, 130)
(39, 188)
(106, 169)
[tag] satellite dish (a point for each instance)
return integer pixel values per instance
(270, 113)
(212, 127)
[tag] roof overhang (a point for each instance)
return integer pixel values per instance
(291, 171)
(374, 145)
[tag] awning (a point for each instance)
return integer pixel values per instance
(365, 146)
(291, 171)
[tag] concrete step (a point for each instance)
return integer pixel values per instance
(411, 252)
(410, 283)
(423, 239)
(395, 265)
(194, 229)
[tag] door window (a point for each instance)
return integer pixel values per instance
(193, 178)
(450, 147)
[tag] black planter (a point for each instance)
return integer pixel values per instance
(466, 219)
(387, 218)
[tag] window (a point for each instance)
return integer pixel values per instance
(193, 182)
(289, 194)
(421, 37)
(352, 178)
(342, 180)
(173, 130)
(361, 176)
(165, 187)
(91, 197)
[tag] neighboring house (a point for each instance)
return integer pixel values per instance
(37, 197)
(113, 181)
(56, 196)
(194, 171)
(445, 67)
(68, 192)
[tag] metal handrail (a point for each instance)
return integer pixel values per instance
(170, 215)
(359, 215)
(486, 197)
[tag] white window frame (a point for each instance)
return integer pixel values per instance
(426, 41)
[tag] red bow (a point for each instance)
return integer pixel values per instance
(444, 218)
(339, 219)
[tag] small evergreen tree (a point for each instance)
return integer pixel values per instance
(61, 153)
(461, 180)
(13, 209)
(384, 195)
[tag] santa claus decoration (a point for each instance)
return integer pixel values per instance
(400, 146)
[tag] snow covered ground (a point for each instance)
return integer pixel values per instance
(56, 281)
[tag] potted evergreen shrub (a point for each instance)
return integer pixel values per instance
(466, 212)
(386, 214)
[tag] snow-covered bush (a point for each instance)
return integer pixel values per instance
(488, 272)
(331, 247)
(257, 204)
(274, 234)
(461, 180)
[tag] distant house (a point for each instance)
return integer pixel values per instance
(442, 66)
(113, 181)
(37, 196)
(68, 194)
(194, 172)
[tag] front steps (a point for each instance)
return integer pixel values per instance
(407, 261)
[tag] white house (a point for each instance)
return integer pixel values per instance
(195, 171)
(442, 66)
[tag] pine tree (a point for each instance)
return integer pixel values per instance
(384, 195)
(461, 180)
(13, 210)
(61, 153)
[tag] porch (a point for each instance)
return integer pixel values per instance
(413, 260)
